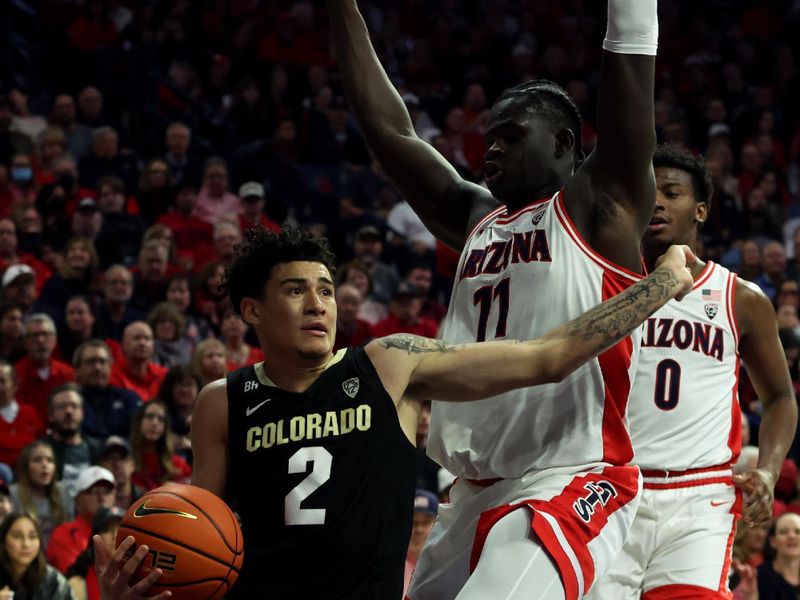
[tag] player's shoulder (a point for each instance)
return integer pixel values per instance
(753, 307)
(214, 393)
(481, 204)
(750, 293)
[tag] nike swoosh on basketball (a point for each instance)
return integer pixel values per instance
(714, 503)
(251, 409)
(144, 510)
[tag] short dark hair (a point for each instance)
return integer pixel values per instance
(261, 250)
(550, 100)
(675, 156)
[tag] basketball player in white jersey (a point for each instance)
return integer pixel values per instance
(544, 498)
(684, 414)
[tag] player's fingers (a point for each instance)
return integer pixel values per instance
(119, 553)
(142, 586)
(131, 565)
(101, 553)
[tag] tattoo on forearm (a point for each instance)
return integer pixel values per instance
(414, 344)
(619, 316)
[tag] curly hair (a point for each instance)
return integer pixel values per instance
(261, 250)
(675, 156)
(551, 101)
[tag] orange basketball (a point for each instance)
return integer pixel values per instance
(193, 537)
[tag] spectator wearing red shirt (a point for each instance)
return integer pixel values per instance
(10, 255)
(19, 423)
(38, 372)
(193, 236)
(95, 491)
(136, 371)
(238, 353)
(404, 315)
(350, 330)
(152, 449)
(254, 200)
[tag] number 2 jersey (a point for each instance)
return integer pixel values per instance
(520, 275)
(684, 409)
(324, 484)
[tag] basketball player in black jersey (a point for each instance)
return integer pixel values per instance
(314, 448)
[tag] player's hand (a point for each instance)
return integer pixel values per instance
(679, 260)
(113, 575)
(748, 584)
(6, 593)
(758, 487)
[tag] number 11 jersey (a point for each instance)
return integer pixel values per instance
(522, 274)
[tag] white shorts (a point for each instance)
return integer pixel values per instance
(581, 520)
(680, 542)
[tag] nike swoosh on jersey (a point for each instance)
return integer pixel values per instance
(144, 510)
(251, 409)
(714, 503)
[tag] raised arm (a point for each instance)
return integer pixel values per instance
(763, 356)
(619, 172)
(443, 200)
(416, 367)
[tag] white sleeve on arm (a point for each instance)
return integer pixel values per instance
(632, 27)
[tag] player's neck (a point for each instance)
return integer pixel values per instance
(651, 254)
(295, 375)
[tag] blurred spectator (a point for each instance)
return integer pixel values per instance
(357, 274)
(136, 370)
(18, 287)
(350, 330)
(12, 332)
(22, 183)
(185, 167)
(209, 361)
(750, 266)
(115, 313)
(76, 276)
(121, 233)
(73, 451)
(426, 506)
(193, 236)
(23, 565)
(108, 409)
(154, 189)
(254, 201)
(116, 457)
(81, 574)
(105, 159)
(6, 506)
(38, 372)
(408, 228)
(759, 219)
(93, 29)
(20, 424)
(37, 489)
(11, 255)
(788, 292)
(773, 264)
(404, 315)
(420, 275)
(87, 221)
(152, 449)
(368, 247)
(95, 491)
(179, 392)
(214, 201)
(238, 353)
(64, 115)
(150, 275)
(78, 327)
(90, 107)
(226, 236)
(11, 141)
(210, 298)
(179, 294)
(172, 346)
(779, 574)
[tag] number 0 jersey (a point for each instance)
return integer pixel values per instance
(324, 483)
(520, 275)
(684, 409)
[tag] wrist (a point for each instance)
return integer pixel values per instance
(632, 27)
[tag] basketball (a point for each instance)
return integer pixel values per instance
(193, 537)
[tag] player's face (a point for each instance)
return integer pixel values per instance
(520, 152)
(676, 213)
(298, 313)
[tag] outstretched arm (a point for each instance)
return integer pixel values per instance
(417, 367)
(619, 173)
(763, 356)
(432, 187)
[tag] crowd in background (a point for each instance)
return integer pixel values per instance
(138, 140)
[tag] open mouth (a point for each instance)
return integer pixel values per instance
(657, 224)
(492, 172)
(316, 329)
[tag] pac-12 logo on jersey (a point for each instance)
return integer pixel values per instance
(600, 493)
(350, 387)
(250, 386)
(711, 310)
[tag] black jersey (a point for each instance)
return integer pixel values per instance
(324, 484)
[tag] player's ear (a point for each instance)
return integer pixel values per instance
(565, 142)
(250, 311)
(701, 212)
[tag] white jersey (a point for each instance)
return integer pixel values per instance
(684, 408)
(520, 275)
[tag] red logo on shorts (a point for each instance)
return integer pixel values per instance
(600, 493)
